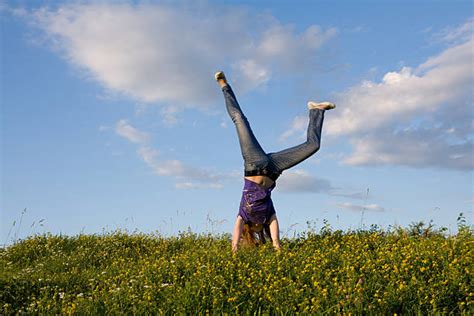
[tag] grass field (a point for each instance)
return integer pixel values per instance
(326, 272)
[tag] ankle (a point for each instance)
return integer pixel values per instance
(222, 83)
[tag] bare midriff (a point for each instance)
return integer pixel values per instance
(263, 181)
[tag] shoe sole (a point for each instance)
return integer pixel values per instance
(326, 105)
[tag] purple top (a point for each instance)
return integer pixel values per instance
(256, 205)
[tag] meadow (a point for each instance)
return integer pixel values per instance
(416, 270)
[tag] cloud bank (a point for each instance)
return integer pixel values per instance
(442, 81)
(167, 54)
(417, 117)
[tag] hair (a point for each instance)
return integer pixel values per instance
(254, 239)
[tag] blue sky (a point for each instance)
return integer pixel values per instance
(111, 118)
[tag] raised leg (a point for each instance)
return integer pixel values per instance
(292, 156)
(251, 150)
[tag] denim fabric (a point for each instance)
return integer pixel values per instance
(255, 159)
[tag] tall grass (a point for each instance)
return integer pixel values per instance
(412, 270)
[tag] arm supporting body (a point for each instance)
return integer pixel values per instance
(275, 232)
(238, 226)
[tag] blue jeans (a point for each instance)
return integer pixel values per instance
(256, 161)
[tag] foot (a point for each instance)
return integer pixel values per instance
(219, 75)
(321, 106)
(220, 78)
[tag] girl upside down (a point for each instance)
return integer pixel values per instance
(257, 219)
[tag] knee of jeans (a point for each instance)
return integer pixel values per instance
(314, 147)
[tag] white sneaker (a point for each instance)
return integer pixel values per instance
(321, 106)
(219, 75)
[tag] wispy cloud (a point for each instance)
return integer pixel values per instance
(360, 208)
(186, 176)
(298, 128)
(167, 54)
(149, 156)
(418, 117)
(270, 56)
(170, 115)
(194, 185)
(124, 129)
(457, 34)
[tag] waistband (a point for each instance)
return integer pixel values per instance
(262, 172)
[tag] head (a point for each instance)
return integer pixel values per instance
(254, 234)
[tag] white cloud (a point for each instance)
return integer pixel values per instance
(177, 169)
(360, 208)
(170, 168)
(167, 54)
(270, 54)
(169, 115)
(360, 29)
(456, 34)
(355, 195)
(149, 155)
(194, 185)
(444, 80)
(254, 74)
(188, 177)
(418, 117)
(124, 129)
(298, 128)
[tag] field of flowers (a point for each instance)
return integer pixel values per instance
(325, 272)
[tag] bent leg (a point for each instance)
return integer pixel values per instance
(251, 150)
(290, 157)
